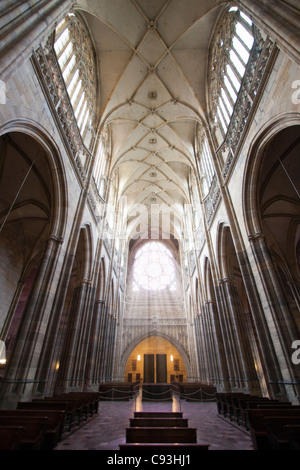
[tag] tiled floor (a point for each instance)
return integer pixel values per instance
(107, 430)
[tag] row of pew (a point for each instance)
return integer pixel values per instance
(40, 424)
(194, 391)
(118, 391)
(162, 431)
(272, 424)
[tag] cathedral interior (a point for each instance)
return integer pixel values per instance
(149, 197)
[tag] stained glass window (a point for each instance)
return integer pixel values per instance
(154, 267)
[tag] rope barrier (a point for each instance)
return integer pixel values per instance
(161, 393)
(173, 392)
(114, 390)
(151, 399)
(188, 395)
(112, 397)
(116, 398)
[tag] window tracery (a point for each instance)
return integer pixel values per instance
(231, 50)
(76, 59)
(207, 171)
(154, 267)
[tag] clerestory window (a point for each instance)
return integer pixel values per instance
(230, 55)
(75, 56)
(206, 167)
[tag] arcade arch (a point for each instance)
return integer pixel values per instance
(155, 346)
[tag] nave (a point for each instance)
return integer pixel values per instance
(107, 430)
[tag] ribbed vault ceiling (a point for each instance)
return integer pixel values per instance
(152, 58)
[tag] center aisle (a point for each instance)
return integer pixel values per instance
(107, 430)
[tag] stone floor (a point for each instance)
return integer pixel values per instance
(107, 430)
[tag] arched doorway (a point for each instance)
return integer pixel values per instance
(155, 360)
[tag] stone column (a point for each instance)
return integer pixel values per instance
(26, 24)
(103, 343)
(200, 335)
(208, 344)
(280, 323)
(226, 327)
(109, 345)
(92, 373)
(81, 346)
(279, 19)
(220, 366)
(75, 347)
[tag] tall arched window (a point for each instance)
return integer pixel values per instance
(204, 155)
(76, 59)
(207, 171)
(232, 45)
(101, 166)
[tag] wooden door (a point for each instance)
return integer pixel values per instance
(161, 368)
(148, 368)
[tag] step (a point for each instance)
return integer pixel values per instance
(159, 422)
(161, 434)
(158, 414)
(165, 447)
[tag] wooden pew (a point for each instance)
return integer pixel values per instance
(34, 429)
(224, 402)
(48, 406)
(10, 437)
(159, 422)
(251, 402)
(53, 425)
(90, 402)
(232, 402)
(276, 429)
(257, 424)
(231, 405)
(161, 435)
(78, 402)
(71, 409)
(220, 399)
(293, 435)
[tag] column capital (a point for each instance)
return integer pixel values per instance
(55, 238)
(256, 237)
(224, 280)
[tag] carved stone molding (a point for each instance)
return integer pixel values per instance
(153, 320)
(247, 97)
(212, 199)
(48, 71)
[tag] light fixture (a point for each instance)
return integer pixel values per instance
(171, 358)
(138, 357)
(2, 353)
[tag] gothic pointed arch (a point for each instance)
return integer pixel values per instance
(271, 212)
(33, 215)
(155, 333)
